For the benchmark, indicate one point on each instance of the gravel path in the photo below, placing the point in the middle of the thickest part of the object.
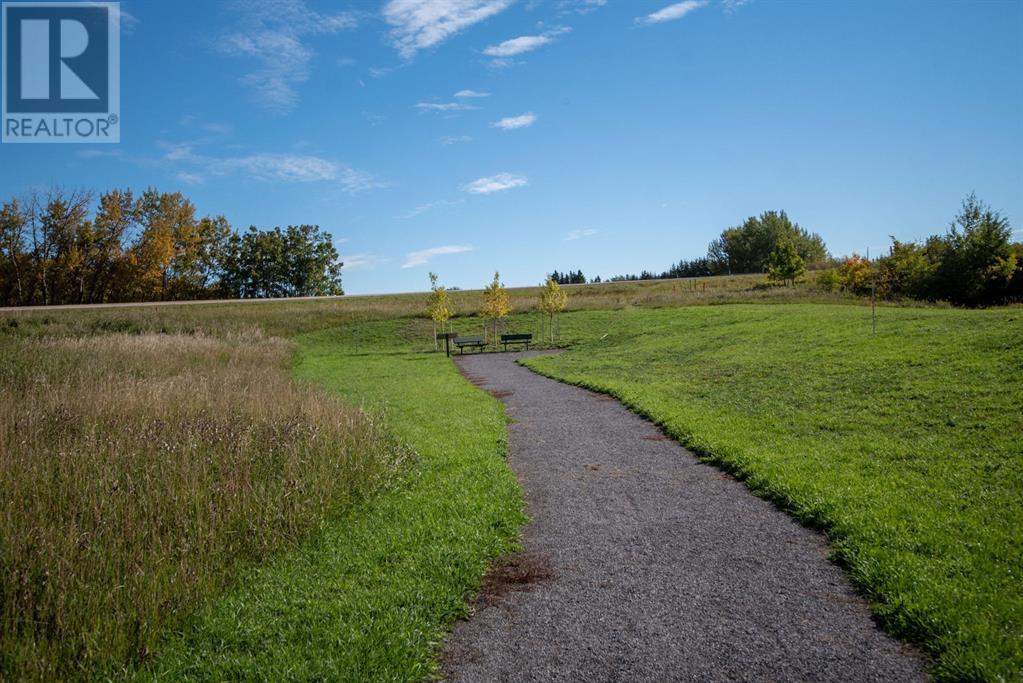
(642, 564)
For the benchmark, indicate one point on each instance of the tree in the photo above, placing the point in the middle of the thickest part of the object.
(117, 216)
(16, 260)
(152, 247)
(552, 301)
(570, 278)
(437, 306)
(495, 303)
(299, 261)
(785, 264)
(979, 262)
(855, 274)
(748, 247)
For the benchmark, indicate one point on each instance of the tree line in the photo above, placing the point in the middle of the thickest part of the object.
(975, 263)
(746, 248)
(70, 247)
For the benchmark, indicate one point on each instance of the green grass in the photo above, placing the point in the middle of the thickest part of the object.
(369, 596)
(288, 318)
(905, 446)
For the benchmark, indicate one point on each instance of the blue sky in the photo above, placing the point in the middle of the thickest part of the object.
(464, 136)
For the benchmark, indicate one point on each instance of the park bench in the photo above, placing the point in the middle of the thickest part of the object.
(471, 342)
(516, 339)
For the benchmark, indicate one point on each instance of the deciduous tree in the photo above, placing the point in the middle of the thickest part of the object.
(552, 301)
(495, 303)
(437, 307)
(785, 264)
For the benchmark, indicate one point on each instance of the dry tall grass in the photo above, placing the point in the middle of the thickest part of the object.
(138, 474)
(286, 318)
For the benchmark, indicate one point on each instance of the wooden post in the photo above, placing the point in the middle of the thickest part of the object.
(873, 296)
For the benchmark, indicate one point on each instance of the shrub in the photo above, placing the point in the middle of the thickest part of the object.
(854, 274)
(828, 280)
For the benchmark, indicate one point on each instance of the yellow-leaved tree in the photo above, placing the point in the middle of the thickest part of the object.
(552, 301)
(495, 303)
(437, 307)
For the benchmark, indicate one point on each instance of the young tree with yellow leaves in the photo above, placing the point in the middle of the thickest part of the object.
(495, 303)
(438, 307)
(552, 301)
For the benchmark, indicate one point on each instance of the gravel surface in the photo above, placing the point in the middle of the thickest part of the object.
(640, 563)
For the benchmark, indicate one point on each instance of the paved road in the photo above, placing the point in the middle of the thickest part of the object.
(642, 564)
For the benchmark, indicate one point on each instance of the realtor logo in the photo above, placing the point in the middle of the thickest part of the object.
(61, 72)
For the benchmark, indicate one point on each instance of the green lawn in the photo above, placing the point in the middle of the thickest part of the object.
(905, 446)
(369, 596)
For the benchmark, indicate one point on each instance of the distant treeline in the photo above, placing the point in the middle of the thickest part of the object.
(62, 247)
(569, 278)
(974, 264)
(746, 248)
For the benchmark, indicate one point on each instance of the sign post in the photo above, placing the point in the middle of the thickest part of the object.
(448, 336)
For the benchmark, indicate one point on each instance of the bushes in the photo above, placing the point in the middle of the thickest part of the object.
(973, 264)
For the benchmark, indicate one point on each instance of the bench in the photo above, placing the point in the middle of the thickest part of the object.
(516, 339)
(471, 342)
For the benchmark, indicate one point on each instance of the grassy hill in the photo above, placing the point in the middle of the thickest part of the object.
(190, 488)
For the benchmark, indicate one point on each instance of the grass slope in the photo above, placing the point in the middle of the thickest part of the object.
(905, 446)
(369, 596)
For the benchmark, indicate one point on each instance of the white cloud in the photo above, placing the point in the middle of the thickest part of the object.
(271, 33)
(129, 22)
(502, 63)
(671, 12)
(471, 93)
(362, 261)
(517, 46)
(97, 153)
(190, 178)
(513, 122)
(732, 5)
(418, 258)
(423, 208)
(580, 234)
(495, 183)
(454, 139)
(179, 152)
(443, 106)
(419, 24)
(284, 167)
(354, 181)
(580, 6)
(292, 168)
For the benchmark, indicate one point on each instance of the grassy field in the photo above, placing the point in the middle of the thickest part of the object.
(131, 421)
(288, 318)
(369, 596)
(141, 472)
(155, 457)
(904, 446)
